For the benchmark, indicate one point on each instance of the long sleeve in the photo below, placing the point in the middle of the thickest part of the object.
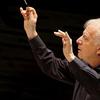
(87, 77)
(49, 64)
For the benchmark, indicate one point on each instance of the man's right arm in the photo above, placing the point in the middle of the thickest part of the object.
(52, 66)
(49, 64)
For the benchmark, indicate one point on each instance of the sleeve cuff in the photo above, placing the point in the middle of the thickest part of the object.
(36, 42)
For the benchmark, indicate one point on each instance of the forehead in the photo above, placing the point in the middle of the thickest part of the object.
(91, 30)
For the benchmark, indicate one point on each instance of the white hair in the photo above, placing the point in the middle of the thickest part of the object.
(95, 22)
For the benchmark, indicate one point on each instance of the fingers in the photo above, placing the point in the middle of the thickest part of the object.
(23, 12)
(62, 34)
(31, 9)
(59, 33)
(28, 12)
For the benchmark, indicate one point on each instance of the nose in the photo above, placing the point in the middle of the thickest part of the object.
(79, 40)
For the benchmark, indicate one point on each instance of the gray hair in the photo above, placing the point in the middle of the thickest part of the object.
(95, 22)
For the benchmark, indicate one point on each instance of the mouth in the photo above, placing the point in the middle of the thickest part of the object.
(79, 50)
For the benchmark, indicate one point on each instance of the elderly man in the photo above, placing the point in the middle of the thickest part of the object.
(85, 68)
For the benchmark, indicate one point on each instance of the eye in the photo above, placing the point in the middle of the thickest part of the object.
(85, 37)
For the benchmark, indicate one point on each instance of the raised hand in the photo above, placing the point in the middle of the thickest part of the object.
(67, 45)
(30, 19)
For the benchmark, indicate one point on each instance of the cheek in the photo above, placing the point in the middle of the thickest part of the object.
(86, 51)
(90, 51)
(84, 54)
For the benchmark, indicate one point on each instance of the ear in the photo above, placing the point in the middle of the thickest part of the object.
(98, 51)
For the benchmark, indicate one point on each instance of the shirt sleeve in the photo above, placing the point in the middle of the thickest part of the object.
(48, 63)
(87, 76)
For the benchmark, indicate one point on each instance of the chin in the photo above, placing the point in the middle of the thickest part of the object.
(79, 56)
(82, 58)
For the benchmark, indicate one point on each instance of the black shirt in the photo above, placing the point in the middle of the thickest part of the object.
(87, 80)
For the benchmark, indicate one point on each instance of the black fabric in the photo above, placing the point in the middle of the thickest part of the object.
(87, 85)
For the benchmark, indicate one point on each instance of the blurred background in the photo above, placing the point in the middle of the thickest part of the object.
(20, 76)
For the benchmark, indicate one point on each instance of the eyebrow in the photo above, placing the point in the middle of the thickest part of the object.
(84, 33)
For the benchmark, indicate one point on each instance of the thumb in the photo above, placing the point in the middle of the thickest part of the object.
(22, 12)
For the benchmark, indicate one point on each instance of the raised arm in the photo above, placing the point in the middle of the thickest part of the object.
(30, 20)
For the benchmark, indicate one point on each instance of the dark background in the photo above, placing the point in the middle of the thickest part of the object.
(20, 76)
